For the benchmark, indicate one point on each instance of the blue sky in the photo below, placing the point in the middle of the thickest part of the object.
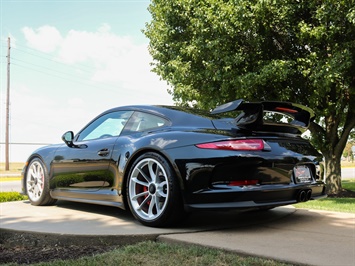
(70, 61)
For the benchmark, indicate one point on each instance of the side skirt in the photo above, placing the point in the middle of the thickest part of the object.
(104, 197)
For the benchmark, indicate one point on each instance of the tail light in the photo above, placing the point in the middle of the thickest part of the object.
(237, 145)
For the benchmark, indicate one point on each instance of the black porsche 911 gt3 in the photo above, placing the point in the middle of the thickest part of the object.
(161, 161)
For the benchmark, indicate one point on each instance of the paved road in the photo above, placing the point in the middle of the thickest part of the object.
(348, 173)
(10, 186)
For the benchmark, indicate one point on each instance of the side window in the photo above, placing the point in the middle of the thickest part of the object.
(108, 125)
(143, 121)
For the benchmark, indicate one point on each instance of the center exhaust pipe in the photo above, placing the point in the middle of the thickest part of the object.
(304, 195)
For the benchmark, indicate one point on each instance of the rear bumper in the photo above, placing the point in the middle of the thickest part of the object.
(254, 196)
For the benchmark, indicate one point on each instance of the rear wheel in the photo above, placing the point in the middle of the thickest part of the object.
(37, 184)
(153, 194)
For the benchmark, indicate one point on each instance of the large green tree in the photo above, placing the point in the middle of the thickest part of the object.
(303, 51)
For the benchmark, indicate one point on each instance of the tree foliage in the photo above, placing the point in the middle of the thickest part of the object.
(215, 51)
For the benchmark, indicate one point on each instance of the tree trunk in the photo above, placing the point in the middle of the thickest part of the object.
(332, 174)
(331, 142)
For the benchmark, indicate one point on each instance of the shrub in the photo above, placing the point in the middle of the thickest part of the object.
(11, 196)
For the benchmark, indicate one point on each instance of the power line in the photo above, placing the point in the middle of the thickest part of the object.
(71, 80)
(47, 68)
(108, 86)
(26, 143)
(44, 56)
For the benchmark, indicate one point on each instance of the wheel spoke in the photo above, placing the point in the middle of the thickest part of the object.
(37, 190)
(143, 194)
(144, 202)
(137, 181)
(152, 173)
(32, 173)
(161, 189)
(40, 183)
(144, 175)
(158, 205)
(30, 182)
(151, 207)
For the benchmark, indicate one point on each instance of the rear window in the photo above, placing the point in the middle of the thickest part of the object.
(141, 121)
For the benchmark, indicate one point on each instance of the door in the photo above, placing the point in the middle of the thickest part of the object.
(84, 166)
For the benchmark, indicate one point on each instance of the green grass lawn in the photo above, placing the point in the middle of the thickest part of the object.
(330, 204)
(333, 204)
(348, 184)
(155, 253)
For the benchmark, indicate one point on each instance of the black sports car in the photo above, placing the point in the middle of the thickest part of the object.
(161, 161)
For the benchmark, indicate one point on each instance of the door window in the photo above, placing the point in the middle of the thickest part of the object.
(108, 125)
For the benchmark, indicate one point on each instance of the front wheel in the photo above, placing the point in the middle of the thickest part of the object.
(153, 194)
(37, 184)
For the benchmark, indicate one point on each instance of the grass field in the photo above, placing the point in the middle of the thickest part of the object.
(333, 204)
(329, 204)
(14, 168)
(13, 174)
(347, 164)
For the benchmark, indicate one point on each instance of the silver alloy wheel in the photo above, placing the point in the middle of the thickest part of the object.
(35, 181)
(148, 189)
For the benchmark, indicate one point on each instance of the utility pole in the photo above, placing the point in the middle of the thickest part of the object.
(7, 134)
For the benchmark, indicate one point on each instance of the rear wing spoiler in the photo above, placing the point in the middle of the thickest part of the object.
(252, 115)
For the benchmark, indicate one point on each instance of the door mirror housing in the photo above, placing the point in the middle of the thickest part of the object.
(68, 138)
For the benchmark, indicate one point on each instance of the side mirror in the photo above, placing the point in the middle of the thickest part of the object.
(68, 138)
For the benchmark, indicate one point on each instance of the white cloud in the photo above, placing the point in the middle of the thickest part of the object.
(99, 47)
(117, 60)
(45, 39)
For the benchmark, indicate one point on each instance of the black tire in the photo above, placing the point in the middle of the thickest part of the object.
(37, 184)
(153, 194)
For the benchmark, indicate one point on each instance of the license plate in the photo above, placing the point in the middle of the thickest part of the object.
(302, 174)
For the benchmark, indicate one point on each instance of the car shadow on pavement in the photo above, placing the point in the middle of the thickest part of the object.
(204, 220)
(95, 208)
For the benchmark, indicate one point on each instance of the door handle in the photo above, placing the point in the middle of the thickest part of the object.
(103, 152)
